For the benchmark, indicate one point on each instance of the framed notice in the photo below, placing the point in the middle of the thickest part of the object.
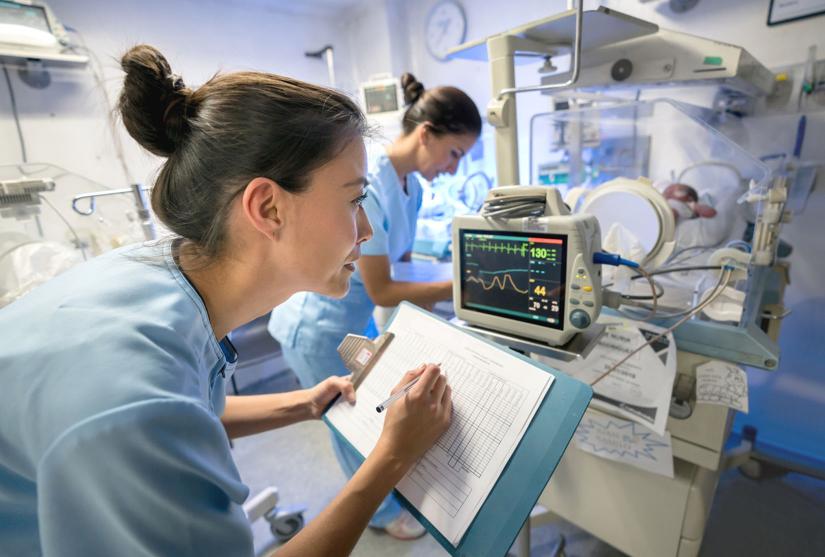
(784, 11)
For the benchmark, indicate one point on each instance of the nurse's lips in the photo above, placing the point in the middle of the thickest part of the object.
(351, 265)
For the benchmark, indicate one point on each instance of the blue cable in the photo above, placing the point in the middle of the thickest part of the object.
(604, 258)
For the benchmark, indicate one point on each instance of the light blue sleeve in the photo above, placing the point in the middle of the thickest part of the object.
(379, 244)
(152, 478)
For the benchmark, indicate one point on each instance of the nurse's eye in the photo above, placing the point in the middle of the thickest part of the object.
(455, 154)
(358, 201)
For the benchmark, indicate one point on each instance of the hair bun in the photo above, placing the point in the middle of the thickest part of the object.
(154, 101)
(413, 89)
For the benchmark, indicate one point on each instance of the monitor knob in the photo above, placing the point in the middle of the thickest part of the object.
(580, 319)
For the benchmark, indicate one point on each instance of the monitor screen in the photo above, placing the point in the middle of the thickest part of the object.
(515, 275)
(27, 16)
(381, 98)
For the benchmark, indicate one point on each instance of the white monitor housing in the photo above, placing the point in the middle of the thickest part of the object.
(532, 277)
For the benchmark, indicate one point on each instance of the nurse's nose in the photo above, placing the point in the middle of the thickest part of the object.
(364, 230)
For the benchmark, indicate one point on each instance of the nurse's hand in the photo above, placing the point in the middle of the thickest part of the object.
(322, 394)
(414, 423)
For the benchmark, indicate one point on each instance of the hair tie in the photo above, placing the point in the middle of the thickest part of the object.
(177, 82)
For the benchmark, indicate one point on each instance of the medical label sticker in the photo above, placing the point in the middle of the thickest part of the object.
(624, 441)
(363, 356)
(722, 383)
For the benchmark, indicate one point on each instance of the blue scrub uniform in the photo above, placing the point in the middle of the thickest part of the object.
(309, 326)
(110, 439)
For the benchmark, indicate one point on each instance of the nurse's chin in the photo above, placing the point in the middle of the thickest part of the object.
(339, 289)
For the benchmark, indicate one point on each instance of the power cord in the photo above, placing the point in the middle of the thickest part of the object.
(97, 73)
(514, 206)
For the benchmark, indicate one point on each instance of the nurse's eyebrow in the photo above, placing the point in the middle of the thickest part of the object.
(361, 181)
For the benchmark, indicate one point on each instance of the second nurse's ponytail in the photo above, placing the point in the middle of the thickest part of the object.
(445, 110)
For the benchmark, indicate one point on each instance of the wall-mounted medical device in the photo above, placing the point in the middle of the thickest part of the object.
(665, 57)
(524, 266)
(29, 31)
(382, 96)
(609, 49)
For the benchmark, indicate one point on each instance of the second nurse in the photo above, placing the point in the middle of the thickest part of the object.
(438, 127)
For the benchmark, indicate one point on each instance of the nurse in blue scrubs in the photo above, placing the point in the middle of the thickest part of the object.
(439, 126)
(114, 419)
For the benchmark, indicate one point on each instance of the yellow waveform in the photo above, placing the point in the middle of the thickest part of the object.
(500, 282)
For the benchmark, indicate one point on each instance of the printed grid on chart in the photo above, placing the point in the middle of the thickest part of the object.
(484, 407)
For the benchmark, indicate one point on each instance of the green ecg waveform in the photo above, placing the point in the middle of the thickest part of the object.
(500, 247)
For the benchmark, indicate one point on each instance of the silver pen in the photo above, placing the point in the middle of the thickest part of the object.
(404, 390)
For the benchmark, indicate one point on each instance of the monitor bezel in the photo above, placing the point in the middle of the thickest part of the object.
(41, 9)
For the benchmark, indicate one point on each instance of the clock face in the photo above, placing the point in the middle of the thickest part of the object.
(446, 28)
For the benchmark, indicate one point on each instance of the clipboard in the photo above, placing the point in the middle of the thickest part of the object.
(524, 478)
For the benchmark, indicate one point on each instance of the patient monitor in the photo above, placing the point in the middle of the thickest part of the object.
(524, 266)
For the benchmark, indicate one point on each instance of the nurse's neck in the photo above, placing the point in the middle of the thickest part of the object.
(230, 289)
(403, 156)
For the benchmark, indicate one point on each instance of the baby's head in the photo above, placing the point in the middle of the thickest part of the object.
(684, 202)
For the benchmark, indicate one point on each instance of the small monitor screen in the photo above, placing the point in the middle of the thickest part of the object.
(381, 98)
(514, 275)
(27, 16)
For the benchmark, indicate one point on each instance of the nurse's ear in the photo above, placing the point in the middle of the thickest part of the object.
(424, 134)
(264, 205)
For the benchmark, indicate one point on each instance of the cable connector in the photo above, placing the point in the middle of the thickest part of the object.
(604, 258)
(612, 299)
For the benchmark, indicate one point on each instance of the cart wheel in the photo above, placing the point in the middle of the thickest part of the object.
(284, 528)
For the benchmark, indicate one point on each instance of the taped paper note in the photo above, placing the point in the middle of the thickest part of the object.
(723, 384)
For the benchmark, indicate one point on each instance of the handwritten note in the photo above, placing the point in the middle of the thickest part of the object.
(722, 383)
(640, 389)
(624, 441)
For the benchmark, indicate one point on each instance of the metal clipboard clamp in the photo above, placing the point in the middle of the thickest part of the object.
(360, 354)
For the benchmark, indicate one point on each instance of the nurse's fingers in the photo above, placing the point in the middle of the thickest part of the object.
(344, 386)
(439, 387)
(409, 376)
(426, 382)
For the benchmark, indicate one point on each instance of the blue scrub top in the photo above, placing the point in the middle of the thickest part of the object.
(318, 323)
(110, 439)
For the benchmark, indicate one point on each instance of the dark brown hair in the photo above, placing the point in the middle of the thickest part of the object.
(231, 129)
(444, 109)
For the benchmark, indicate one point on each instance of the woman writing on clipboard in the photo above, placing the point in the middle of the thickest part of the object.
(439, 126)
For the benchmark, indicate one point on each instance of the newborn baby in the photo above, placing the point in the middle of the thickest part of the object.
(684, 202)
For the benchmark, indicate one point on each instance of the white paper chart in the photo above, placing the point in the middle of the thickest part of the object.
(495, 395)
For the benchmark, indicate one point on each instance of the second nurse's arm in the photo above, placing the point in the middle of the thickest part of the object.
(384, 291)
(413, 424)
